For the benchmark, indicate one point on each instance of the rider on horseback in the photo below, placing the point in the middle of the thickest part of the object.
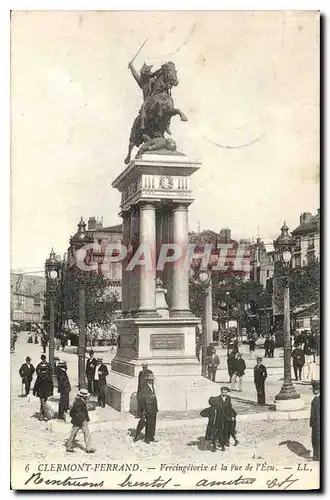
(145, 81)
(157, 109)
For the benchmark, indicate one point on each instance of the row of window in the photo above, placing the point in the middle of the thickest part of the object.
(310, 243)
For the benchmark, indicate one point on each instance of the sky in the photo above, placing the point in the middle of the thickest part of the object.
(248, 82)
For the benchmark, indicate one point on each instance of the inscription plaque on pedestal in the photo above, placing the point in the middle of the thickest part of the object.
(172, 341)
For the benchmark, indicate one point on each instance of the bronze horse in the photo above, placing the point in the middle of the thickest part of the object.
(157, 109)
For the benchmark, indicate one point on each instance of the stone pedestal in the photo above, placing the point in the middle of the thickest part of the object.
(156, 195)
(289, 404)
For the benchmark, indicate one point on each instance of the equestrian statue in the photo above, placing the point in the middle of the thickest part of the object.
(154, 118)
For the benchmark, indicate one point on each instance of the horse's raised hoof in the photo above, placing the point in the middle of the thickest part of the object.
(183, 117)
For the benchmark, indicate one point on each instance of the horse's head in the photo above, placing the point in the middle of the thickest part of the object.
(170, 74)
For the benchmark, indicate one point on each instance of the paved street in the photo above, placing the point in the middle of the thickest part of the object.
(178, 438)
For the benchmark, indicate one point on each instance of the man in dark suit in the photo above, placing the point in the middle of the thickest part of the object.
(298, 357)
(43, 389)
(44, 341)
(314, 421)
(64, 389)
(212, 363)
(272, 342)
(79, 419)
(100, 381)
(267, 347)
(43, 363)
(239, 371)
(224, 417)
(90, 372)
(231, 364)
(260, 375)
(26, 372)
(141, 381)
(149, 409)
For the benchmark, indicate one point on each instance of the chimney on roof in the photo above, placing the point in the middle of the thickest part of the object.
(99, 224)
(305, 217)
(318, 211)
(225, 234)
(91, 225)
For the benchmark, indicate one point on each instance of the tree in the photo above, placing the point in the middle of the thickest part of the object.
(304, 286)
(101, 303)
(230, 291)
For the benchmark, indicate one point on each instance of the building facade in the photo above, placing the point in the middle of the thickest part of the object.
(307, 240)
(103, 236)
(262, 263)
(27, 293)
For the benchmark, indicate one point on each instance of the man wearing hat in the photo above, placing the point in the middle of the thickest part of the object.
(43, 389)
(298, 357)
(26, 372)
(43, 363)
(149, 409)
(90, 372)
(141, 381)
(100, 381)
(225, 416)
(221, 416)
(260, 375)
(239, 371)
(314, 420)
(64, 389)
(212, 363)
(79, 419)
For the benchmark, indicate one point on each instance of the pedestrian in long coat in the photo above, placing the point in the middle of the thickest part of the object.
(267, 347)
(149, 408)
(26, 372)
(260, 375)
(314, 421)
(252, 342)
(79, 420)
(212, 430)
(141, 382)
(220, 416)
(298, 357)
(231, 364)
(44, 342)
(272, 343)
(100, 381)
(64, 341)
(90, 372)
(64, 389)
(43, 389)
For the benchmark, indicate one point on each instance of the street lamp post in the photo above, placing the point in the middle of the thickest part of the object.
(288, 399)
(52, 275)
(203, 277)
(227, 304)
(82, 334)
(78, 241)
